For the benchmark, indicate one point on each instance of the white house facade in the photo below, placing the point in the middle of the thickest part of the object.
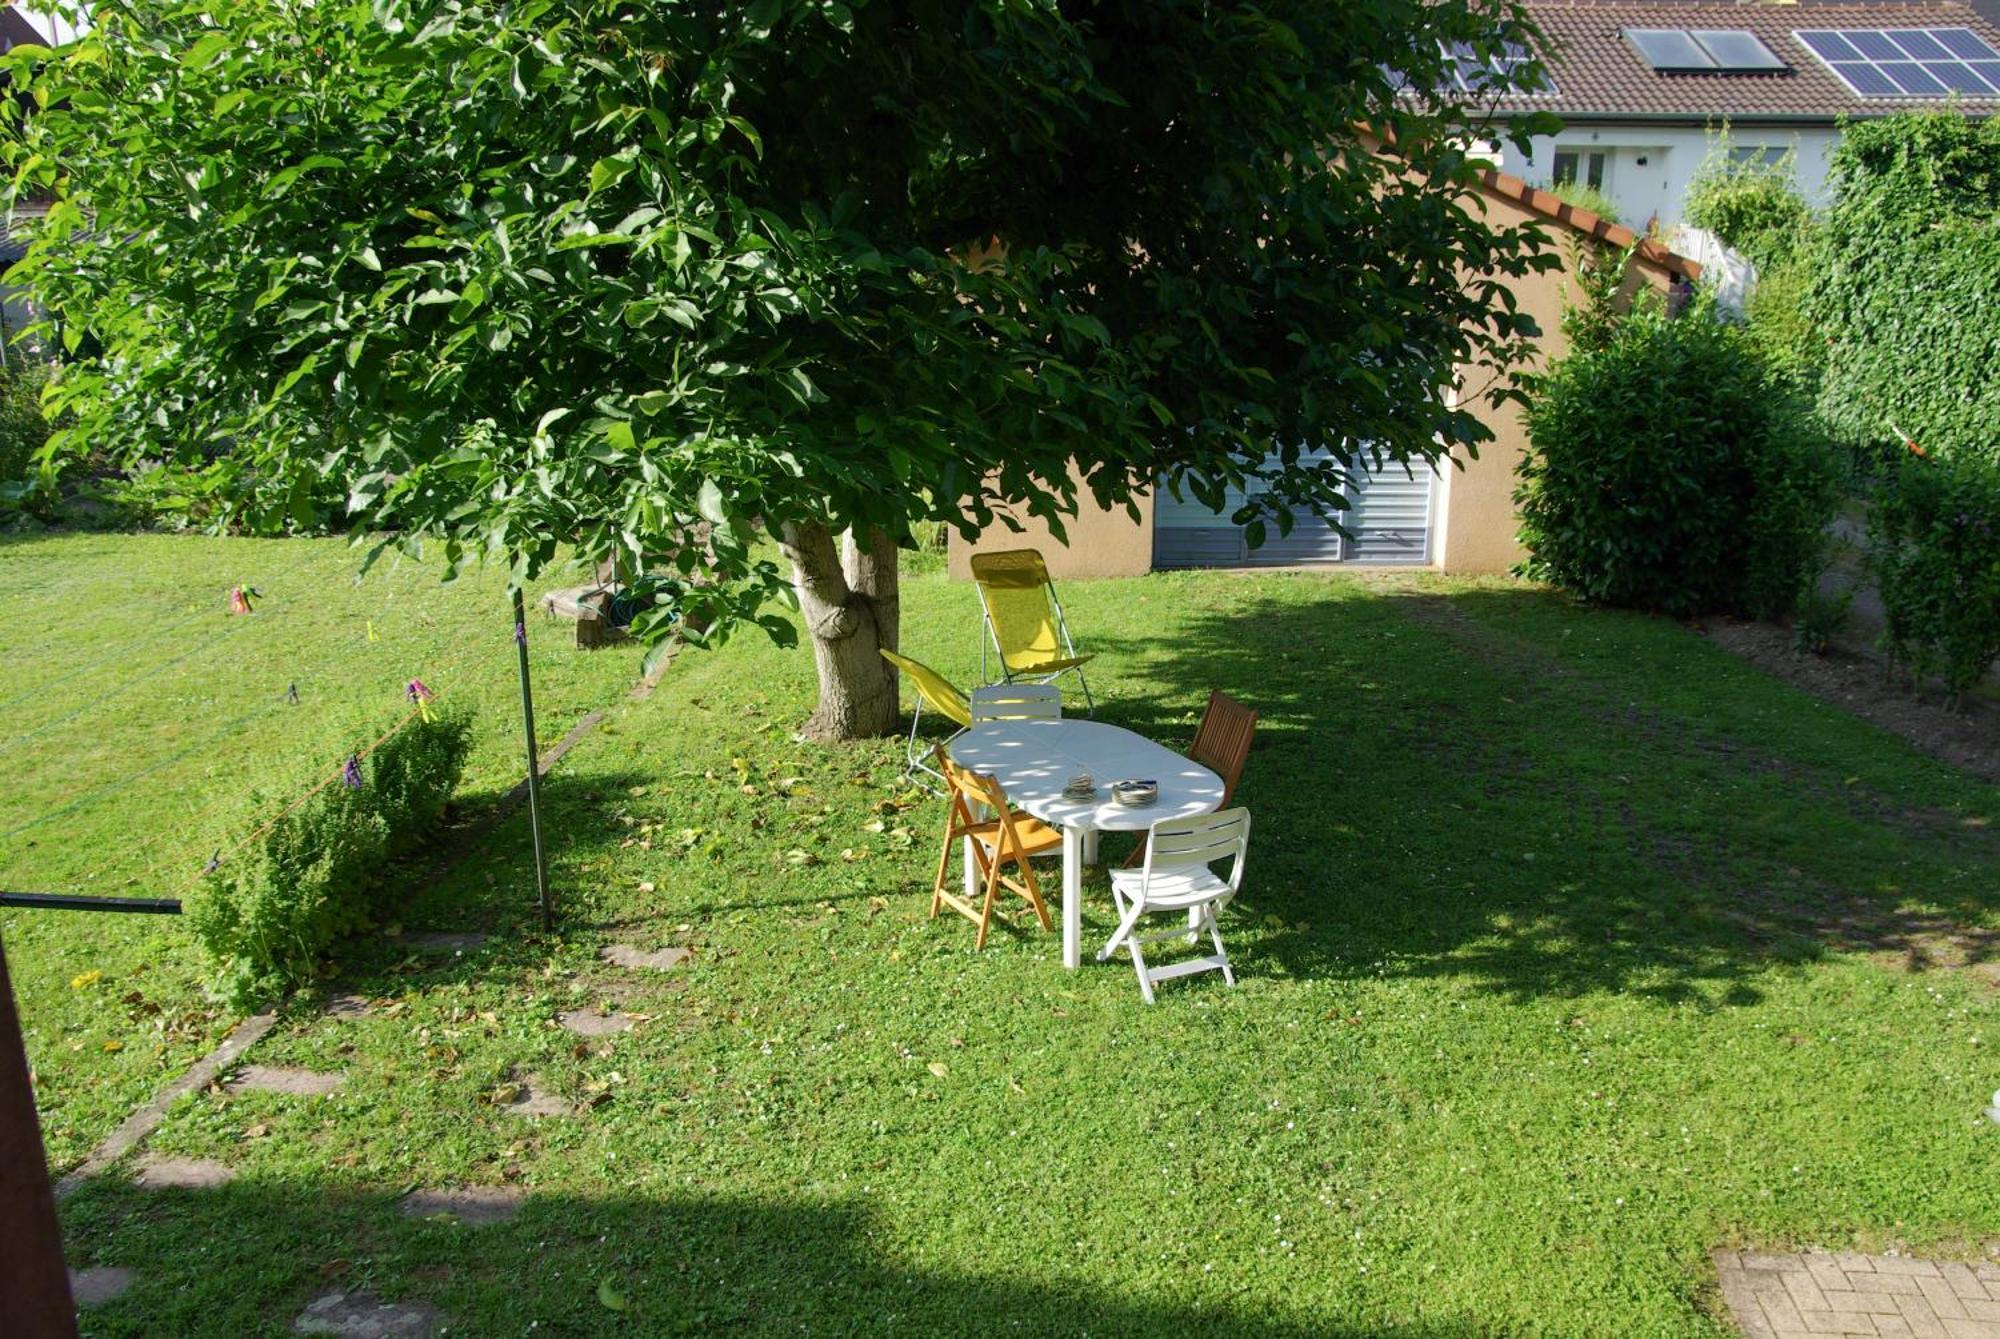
(1645, 88)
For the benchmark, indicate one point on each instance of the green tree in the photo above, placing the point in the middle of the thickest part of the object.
(654, 280)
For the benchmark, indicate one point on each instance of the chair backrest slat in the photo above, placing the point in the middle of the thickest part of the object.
(1178, 843)
(1016, 702)
(1222, 740)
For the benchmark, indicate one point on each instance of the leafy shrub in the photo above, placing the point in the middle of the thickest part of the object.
(1777, 323)
(1934, 532)
(267, 914)
(1822, 616)
(22, 432)
(1754, 206)
(1907, 293)
(1670, 469)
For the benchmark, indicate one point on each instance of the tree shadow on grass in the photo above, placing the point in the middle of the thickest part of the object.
(1431, 797)
(247, 1257)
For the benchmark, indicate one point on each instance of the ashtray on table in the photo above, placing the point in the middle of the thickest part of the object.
(1135, 794)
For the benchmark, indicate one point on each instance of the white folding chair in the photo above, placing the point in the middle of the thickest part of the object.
(1176, 878)
(1016, 702)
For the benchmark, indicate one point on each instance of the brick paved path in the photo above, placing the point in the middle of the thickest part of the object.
(1806, 1296)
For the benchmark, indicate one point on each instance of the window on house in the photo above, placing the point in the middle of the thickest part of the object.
(1579, 165)
(1759, 156)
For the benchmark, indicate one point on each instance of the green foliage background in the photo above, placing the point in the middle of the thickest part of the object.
(1907, 289)
(575, 272)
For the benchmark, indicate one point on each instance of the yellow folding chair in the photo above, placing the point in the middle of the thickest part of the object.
(944, 698)
(1024, 622)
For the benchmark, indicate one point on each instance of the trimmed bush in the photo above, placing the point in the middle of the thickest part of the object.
(269, 913)
(1934, 531)
(1671, 469)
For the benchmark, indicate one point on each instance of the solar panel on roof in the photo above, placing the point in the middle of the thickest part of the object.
(1919, 43)
(1736, 49)
(1865, 79)
(1963, 43)
(1912, 79)
(1907, 62)
(1669, 49)
(1829, 46)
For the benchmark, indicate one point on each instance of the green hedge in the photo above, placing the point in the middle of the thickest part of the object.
(1907, 288)
(1671, 469)
(1934, 531)
(268, 914)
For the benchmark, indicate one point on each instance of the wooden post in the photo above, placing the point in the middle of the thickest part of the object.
(34, 1284)
(534, 763)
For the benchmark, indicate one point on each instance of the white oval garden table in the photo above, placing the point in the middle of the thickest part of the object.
(1034, 760)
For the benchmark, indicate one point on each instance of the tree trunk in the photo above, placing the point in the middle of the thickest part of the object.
(851, 603)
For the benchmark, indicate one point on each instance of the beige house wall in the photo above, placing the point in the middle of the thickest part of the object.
(1472, 516)
(1474, 521)
(1102, 543)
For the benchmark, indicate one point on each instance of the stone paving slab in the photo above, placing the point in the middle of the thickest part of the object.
(532, 1100)
(159, 1173)
(283, 1079)
(632, 956)
(474, 1206)
(135, 1127)
(100, 1284)
(590, 1023)
(349, 1006)
(362, 1315)
(445, 941)
(1813, 1294)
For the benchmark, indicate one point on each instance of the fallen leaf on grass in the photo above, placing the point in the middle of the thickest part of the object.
(85, 979)
(611, 1298)
(939, 1068)
(114, 1045)
(334, 1268)
(257, 1131)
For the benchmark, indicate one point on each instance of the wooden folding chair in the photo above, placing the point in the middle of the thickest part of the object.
(1010, 837)
(1222, 745)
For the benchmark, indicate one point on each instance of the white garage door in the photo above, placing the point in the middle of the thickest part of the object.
(1389, 515)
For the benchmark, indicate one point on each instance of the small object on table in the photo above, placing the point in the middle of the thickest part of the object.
(1082, 786)
(1135, 794)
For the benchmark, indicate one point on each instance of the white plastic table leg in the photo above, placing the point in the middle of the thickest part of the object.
(1090, 846)
(1072, 907)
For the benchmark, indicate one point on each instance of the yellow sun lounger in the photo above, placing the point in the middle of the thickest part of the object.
(943, 697)
(1024, 621)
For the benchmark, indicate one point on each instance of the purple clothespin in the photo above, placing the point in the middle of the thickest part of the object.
(351, 774)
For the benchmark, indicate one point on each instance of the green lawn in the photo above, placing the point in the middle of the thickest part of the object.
(1569, 949)
(143, 728)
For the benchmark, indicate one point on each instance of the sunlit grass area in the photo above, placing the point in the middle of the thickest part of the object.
(1570, 948)
(143, 729)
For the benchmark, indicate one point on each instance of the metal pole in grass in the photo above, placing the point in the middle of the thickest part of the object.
(534, 761)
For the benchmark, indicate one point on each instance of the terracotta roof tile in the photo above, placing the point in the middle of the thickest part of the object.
(1597, 73)
(1615, 235)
